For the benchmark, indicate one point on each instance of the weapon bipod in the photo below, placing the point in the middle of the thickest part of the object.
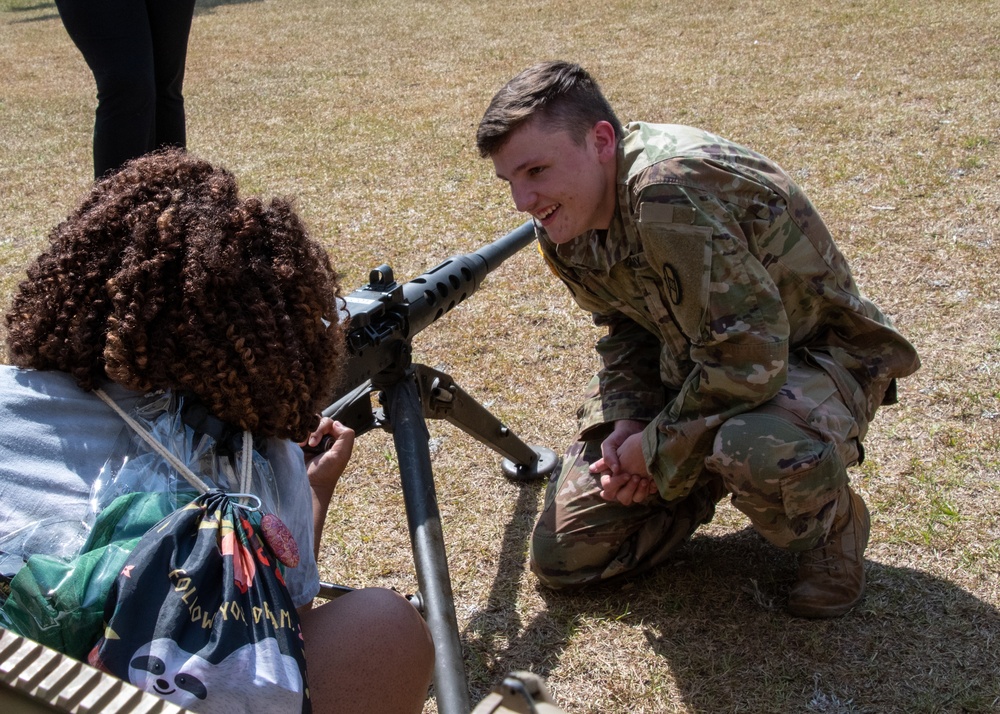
(423, 393)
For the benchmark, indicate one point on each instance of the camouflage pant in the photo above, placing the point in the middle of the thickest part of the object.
(784, 463)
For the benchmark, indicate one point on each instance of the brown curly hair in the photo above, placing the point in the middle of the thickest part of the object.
(163, 278)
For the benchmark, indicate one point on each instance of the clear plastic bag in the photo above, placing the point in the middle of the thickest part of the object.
(58, 598)
(134, 467)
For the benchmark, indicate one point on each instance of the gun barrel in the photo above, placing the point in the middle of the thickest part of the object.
(440, 289)
(499, 250)
(385, 317)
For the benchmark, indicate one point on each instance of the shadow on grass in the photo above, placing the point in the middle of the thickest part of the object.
(24, 12)
(714, 617)
(495, 641)
(14, 7)
(209, 5)
(21, 13)
(916, 643)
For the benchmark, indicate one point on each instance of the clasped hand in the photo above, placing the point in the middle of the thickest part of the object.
(624, 476)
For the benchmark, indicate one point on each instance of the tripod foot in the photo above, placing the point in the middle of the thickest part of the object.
(543, 464)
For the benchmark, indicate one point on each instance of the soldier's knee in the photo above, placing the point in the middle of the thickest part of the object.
(780, 476)
(546, 562)
(563, 560)
(753, 450)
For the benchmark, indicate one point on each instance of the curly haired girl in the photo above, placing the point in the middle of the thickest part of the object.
(165, 279)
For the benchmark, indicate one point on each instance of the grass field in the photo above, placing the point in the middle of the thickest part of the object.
(886, 112)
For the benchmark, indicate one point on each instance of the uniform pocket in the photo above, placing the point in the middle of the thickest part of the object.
(805, 492)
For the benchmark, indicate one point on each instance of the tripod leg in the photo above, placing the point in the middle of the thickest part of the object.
(410, 437)
(443, 399)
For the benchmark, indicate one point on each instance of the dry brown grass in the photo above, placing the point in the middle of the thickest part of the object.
(887, 112)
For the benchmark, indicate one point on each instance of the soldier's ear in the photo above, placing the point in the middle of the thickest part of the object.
(605, 141)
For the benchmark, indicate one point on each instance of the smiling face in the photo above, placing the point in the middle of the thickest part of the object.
(568, 187)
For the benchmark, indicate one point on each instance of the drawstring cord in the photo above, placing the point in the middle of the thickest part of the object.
(246, 462)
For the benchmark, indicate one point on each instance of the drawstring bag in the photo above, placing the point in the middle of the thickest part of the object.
(59, 602)
(200, 614)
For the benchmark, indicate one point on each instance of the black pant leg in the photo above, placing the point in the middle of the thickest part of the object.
(170, 27)
(113, 36)
(136, 51)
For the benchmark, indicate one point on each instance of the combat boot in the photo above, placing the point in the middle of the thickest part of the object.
(831, 577)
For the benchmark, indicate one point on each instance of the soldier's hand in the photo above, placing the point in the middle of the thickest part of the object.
(611, 453)
(627, 489)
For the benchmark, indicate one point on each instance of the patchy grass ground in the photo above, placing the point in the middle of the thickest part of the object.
(886, 112)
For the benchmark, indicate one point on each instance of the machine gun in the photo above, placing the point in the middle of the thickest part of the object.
(383, 388)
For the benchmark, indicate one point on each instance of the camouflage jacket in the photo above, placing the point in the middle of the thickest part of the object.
(715, 268)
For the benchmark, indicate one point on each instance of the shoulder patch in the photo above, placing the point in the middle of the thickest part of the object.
(651, 212)
(682, 255)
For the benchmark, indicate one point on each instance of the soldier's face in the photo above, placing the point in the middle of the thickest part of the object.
(568, 187)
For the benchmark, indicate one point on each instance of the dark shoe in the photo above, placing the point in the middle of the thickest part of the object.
(831, 578)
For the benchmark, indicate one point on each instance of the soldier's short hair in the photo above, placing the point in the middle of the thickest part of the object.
(561, 93)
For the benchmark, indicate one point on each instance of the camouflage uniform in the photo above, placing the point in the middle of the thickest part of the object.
(736, 329)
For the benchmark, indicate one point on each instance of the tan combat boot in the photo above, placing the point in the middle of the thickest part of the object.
(831, 578)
